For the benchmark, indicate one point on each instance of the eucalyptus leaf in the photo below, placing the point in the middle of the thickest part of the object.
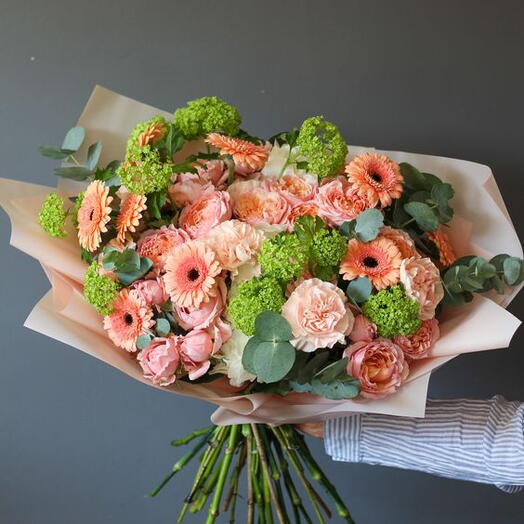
(368, 224)
(345, 388)
(442, 192)
(248, 354)
(273, 360)
(162, 327)
(306, 371)
(52, 152)
(424, 216)
(512, 270)
(93, 155)
(270, 326)
(333, 372)
(143, 341)
(358, 290)
(128, 278)
(74, 172)
(74, 138)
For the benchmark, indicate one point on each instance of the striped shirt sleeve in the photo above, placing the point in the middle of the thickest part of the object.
(475, 440)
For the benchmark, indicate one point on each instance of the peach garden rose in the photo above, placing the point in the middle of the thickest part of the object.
(159, 361)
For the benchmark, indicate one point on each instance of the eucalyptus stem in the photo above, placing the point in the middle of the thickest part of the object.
(318, 475)
(215, 504)
(297, 465)
(193, 435)
(180, 464)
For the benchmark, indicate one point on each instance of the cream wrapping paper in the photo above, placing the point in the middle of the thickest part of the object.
(481, 226)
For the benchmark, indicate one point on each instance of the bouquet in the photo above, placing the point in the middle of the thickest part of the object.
(286, 279)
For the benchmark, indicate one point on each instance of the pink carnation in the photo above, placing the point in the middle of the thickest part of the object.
(157, 244)
(195, 351)
(260, 204)
(418, 345)
(363, 330)
(421, 281)
(339, 202)
(379, 366)
(160, 360)
(319, 315)
(209, 210)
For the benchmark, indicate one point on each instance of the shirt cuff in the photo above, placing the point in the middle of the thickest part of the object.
(342, 438)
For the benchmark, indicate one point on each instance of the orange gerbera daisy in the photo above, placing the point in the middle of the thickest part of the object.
(93, 215)
(402, 240)
(445, 250)
(375, 177)
(244, 153)
(153, 133)
(378, 260)
(130, 215)
(130, 319)
(190, 274)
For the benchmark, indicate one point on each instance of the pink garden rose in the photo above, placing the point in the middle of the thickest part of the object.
(157, 244)
(195, 351)
(339, 202)
(211, 209)
(379, 366)
(151, 290)
(260, 204)
(421, 281)
(298, 190)
(213, 171)
(235, 243)
(160, 360)
(188, 188)
(418, 345)
(319, 315)
(363, 330)
(205, 315)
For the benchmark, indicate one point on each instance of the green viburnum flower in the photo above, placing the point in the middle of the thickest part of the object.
(392, 312)
(283, 257)
(76, 208)
(322, 144)
(253, 297)
(100, 290)
(53, 215)
(327, 247)
(152, 130)
(143, 172)
(207, 115)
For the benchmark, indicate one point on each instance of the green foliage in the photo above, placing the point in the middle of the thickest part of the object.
(93, 155)
(254, 297)
(162, 327)
(365, 227)
(100, 290)
(143, 341)
(474, 274)
(424, 215)
(207, 115)
(74, 139)
(128, 265)
(74, 172)
(358, 290)
(269, 354)
(392, 312)
(322, 144)
(283, 257)
(53, 215)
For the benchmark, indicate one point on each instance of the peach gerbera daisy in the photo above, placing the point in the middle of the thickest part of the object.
(130, 319)
(378, 260)
(445, 250)
(376, 177)
(153, 133)
(190, 274)
(244, 153)
(402, 240)
(93, 215)
(130, 215)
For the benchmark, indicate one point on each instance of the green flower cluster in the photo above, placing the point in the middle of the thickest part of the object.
(132, 146)
(253, 297)
(327, 247)
(100, 290)
(76, 208)
(283, 257)
(322, 144)
(53, 215)
(207, 115)
(392, 312)
(143, 171)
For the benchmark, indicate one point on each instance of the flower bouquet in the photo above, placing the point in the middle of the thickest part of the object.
(285, 280)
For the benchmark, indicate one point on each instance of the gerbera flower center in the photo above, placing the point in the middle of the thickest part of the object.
(370, 262)
(91, 213)
(376, 177)
(193, 274)
(128, 319)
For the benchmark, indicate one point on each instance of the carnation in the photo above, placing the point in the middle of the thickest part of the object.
(392, 312)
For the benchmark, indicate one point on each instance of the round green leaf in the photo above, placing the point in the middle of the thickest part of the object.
(93, 155)
(368, 224)
(272, 361)
(74, 138)
(248, 354)
(512, 270)
(425, 217)
(73, 172)
(358, 290)
(270, 326)
(143, 341)
(162, 327)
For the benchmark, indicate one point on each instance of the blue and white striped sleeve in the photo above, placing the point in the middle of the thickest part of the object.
(476, 440)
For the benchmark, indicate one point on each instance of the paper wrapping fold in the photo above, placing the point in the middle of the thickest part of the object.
(482, 226)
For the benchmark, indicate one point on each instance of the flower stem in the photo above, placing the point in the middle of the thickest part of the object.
(192, 436)
(215, 504)
(250, 501)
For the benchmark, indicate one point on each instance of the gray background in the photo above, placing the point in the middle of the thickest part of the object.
(82, 443)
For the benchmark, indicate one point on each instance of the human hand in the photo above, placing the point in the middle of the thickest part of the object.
(313, 429)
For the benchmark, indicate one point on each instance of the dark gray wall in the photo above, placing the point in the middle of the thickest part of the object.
(82, 443)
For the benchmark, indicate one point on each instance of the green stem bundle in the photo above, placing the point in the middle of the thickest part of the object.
(266, 454)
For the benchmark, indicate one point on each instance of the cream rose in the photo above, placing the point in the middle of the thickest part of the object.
(421, 281)
(319, 315)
